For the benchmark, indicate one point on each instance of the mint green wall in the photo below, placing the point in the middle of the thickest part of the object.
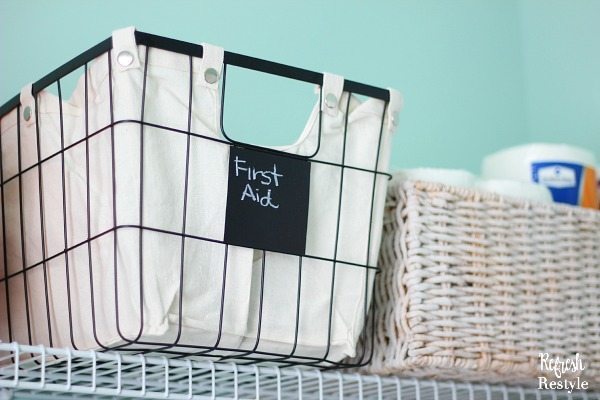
(473, 79)
(561, 57)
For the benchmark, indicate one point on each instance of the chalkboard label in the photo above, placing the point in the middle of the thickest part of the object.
(267, 201)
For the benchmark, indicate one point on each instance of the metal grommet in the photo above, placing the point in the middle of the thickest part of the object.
(27, 113)
(125, 58)
(331, 100)
(211, 75)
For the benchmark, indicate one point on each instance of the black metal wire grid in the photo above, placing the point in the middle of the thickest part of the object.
(174, 347)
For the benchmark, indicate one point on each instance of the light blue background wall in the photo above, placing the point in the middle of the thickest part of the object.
(561, 60)
(476, 75)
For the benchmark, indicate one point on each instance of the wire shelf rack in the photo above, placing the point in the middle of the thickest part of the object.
(35, 372)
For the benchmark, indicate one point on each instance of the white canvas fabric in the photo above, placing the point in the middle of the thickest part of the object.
(114, 291)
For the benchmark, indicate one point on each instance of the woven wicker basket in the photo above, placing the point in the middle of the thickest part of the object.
(474, 286)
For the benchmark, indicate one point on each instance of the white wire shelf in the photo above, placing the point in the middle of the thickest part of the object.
(37, 372)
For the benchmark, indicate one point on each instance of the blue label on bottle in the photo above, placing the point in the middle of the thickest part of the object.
(563, 179)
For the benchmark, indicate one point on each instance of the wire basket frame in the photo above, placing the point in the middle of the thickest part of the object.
(63, 277)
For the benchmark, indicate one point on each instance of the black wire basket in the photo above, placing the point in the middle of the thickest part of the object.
(131, 221)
